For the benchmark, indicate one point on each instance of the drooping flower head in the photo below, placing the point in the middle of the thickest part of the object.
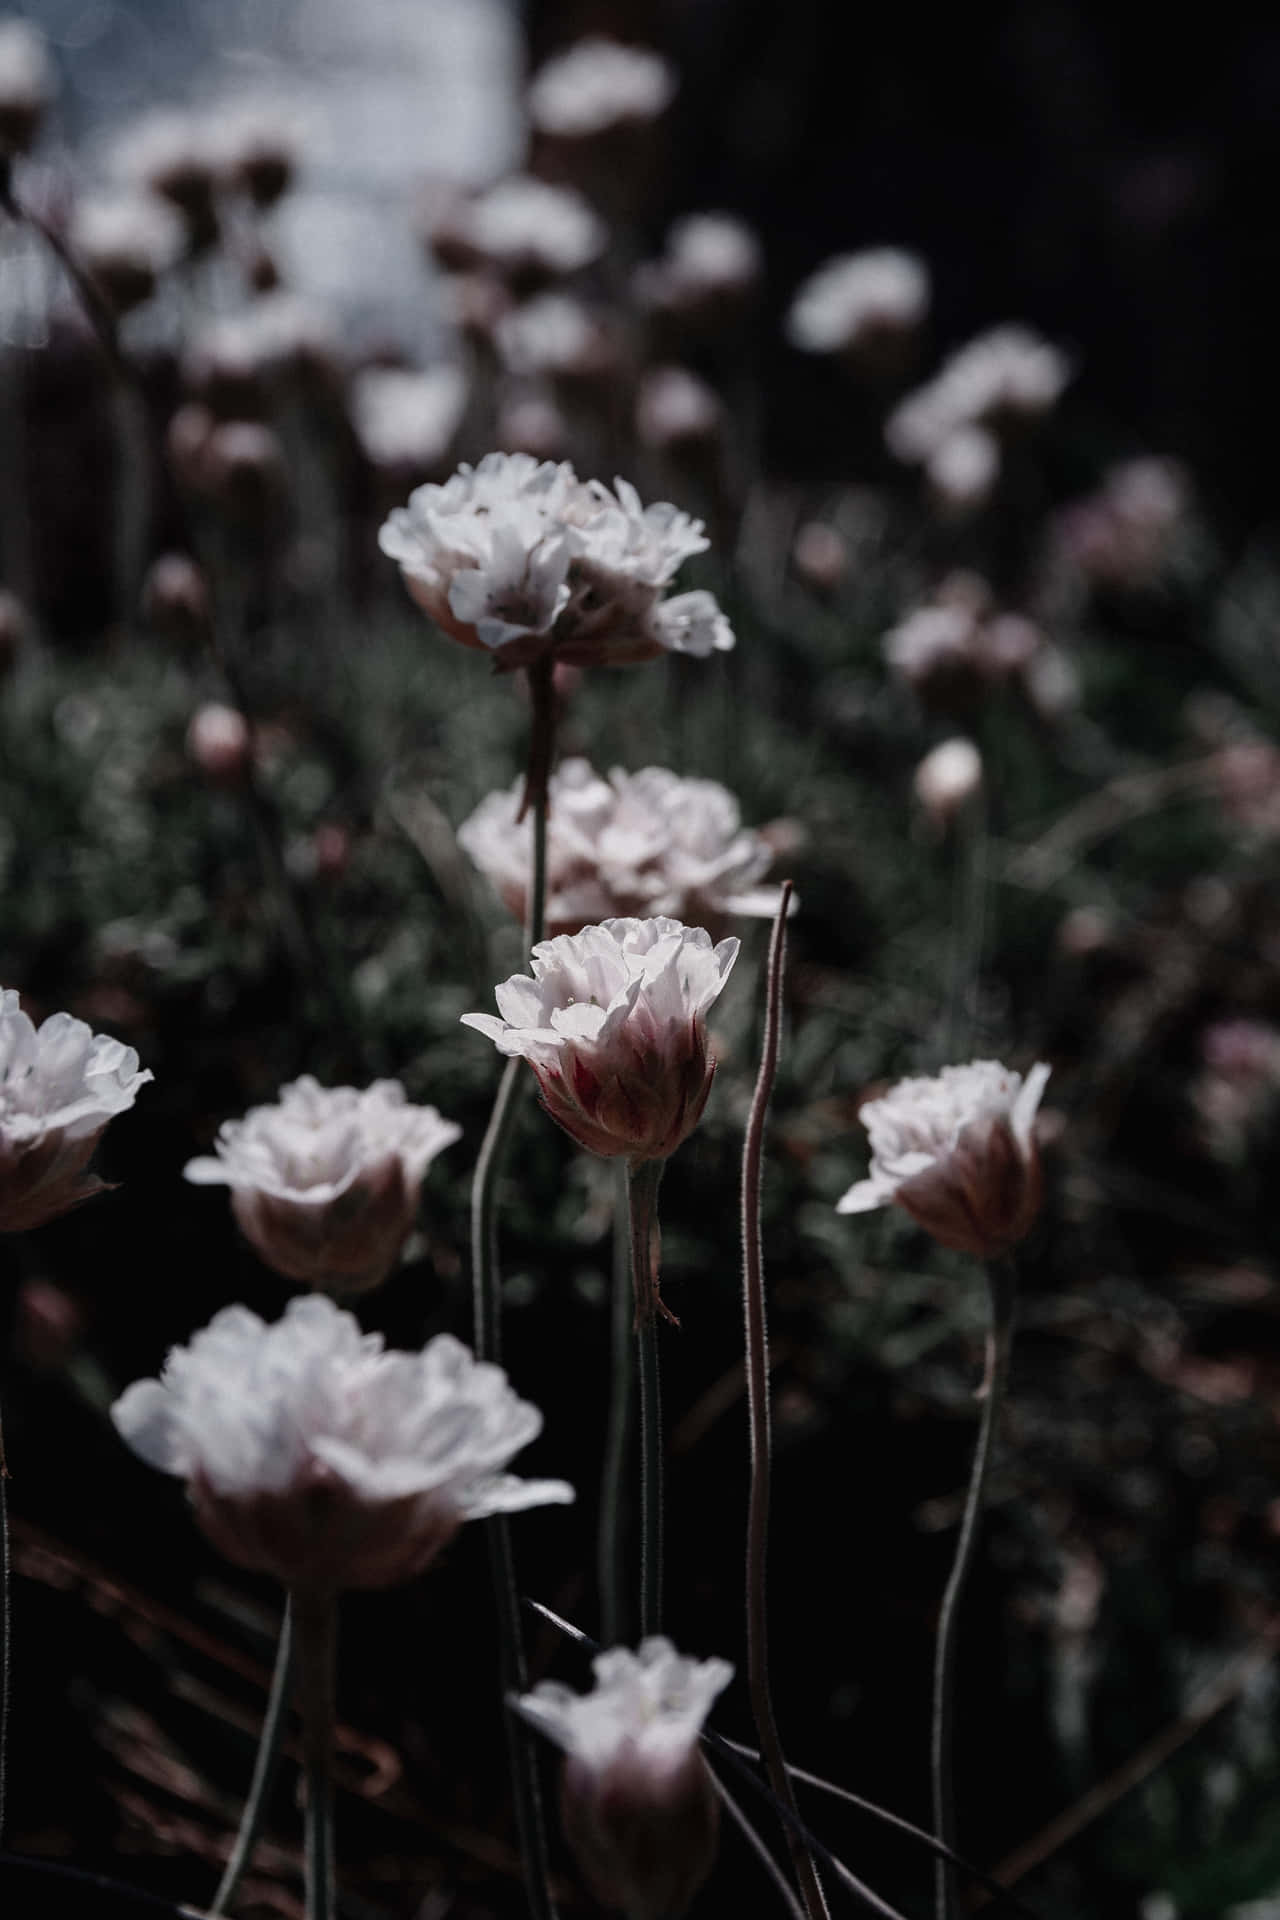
(639, 1808)
(522, 559)
(312, 1454)
(635, 844)
(325, 1183)
(957, 1153)
(613, 1023)
(60, 1083)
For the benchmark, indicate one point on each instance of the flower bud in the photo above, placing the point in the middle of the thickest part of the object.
(948, 779)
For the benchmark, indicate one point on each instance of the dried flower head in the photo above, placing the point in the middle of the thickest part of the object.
(326, 1182)
(639, 1809)
(957, 1152)
(523, 559)
(597, 85)
(856, 297)
(613, 1024)
(312, 1454)
(635, 844)
(60, 1083)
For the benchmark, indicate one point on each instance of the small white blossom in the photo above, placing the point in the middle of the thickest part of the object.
(1008, 373)
(597, 85)
(407, 419)
(60, 1083)
(26, 84)
(653, 1703)
(312, 1454)
(526, 225)
(635, 844)
(964, 467)
(856, 296)
(552, 334)
(714, 252)
(674, 408)
(947, 779)
(958, 1153)
(325, 1183)
(126, 241)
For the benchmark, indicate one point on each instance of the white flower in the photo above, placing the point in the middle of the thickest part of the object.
(1008, 373)
(635, 844)
(964, 467)
(60, 1083)
(552, 334)
(947, 779)
(714, 253)
(312, 1454)
(640, 1811)
(407, 419)
(613, 1024)
(126, 241)
(525, 225)
(596, 85)
(857, 295)
(958, 1153)
(26, 84)
(675, 408)
(326, 1182)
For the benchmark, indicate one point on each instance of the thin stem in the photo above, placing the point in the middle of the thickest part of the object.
(264, 1770)
(968, 916)
(1002, 1282)
(612, 1529)
(757, 1363)
(6, 1622)
(757, 1846)
(315, 1630)
(642, 1190)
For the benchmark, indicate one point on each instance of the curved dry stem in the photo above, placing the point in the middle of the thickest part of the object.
(265, 1767)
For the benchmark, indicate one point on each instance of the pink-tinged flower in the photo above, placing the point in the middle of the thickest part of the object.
(311, 1454)
(326, 1182)
(613, 1023)
(639, 1808)
(958, 1154)
(60, 1084)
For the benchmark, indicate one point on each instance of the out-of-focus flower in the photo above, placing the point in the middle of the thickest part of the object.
(1248, 779)
(957, 1152)
(125, 242)
(675, 409)
(957, 644)
(1123, 535)
(532, 423)
(256, 148)
(1239, 1079)
(219, 741)
(557, 336)
(312, 1454)
(524, 560)
(963, 468)
(232, 361)
(711, 261)
(947, 779)
(326, 1182)
(613, 1024)
(1004, 376)
(175, 597)
(60, 1083)
(598, 85)
(639, 1808)
(173, 154)
(522, 228)
(820, 555)
(636, 844)
(26, 85)
(407, 420)
(859, 297)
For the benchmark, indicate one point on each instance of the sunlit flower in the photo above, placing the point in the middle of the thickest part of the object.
(404, 418)
(325, 1183)
(613, 1024)
(1006, 375)
(957, 1152)
(635, 844)
(60, 1083)
(856, 297)
(597, 85)
(26, 85)
(639, 1808)
(312, 1454)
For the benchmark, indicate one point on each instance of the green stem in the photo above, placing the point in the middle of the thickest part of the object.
(756, 1338)
(315, 1630)
(1001, 1279)
(264, 1770)
(642, 1189)
(621, 1387)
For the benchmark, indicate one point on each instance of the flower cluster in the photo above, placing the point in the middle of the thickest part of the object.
(523, 229)
(858, 297)
(639, 1808)
(951, 425)
(60, 1083)
(635, 844)
(613, 1024)
(958, 1154)
(597, 85)
(522, 559)
(312, 1454)
(326, 1182)
(958, 643)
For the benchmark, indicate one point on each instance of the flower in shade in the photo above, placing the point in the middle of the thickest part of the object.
(312, 1454)
(520, 558)
(326, 1182)
(60, 1083)
(858, 297)
(525, 228)
(711, 260)
(957, 1152)
(639, 1808)
(597, 85)
(635, 844)
(1005, 375)
(613, 1023)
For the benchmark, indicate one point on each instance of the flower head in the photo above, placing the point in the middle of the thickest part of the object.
(637, 843)
(312, 1454)
(856, 297)
(957, 1152)
(613, 1023)
(1006, 374)
(126, 241)
(26, 85)
(527, 229)
(326, 1182)
(639, 1808)
(710, 260)
(597, 85)
(407, 419)
(60, 1083)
